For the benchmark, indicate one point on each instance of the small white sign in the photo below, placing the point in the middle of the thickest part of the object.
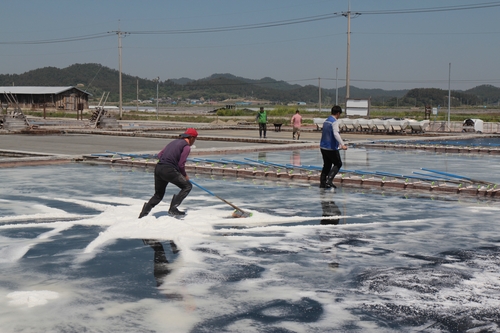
(357, 107)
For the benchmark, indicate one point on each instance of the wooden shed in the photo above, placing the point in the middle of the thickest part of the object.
(61, 98)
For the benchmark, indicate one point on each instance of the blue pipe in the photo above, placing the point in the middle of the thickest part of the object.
(404, 176)
(132, 155)
(428, 175)
(240, 162)
(446, 174)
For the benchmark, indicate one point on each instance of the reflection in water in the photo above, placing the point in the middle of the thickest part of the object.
(330, 209)
(262, 155)
(161, 269)
(295, 157)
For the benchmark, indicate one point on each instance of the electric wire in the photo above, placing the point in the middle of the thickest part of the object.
(258, 25)
(432, 9)
(58, 40)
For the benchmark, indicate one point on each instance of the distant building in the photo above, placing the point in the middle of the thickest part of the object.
(62, 98)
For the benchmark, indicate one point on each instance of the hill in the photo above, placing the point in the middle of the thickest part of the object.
(96, 79)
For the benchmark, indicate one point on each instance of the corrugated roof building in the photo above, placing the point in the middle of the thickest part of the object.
(61, 98)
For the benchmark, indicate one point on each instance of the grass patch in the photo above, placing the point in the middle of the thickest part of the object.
(187, 119)
(279, 115)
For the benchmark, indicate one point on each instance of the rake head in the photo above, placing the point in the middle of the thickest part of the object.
(241, 214)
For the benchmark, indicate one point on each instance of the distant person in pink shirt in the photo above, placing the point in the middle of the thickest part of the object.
(296, 123)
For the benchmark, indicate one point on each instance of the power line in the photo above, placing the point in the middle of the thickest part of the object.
(258, 25)
(58, 40)
(240, 27)
(428, 33)
(432, 9)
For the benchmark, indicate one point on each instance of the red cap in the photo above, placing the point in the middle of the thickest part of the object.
(190, 132)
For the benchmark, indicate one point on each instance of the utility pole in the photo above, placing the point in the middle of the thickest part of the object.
(157, 83)
(120, 105)
(337, 86)
(120, 34)
(449, 96)
(348, 15)
(319, 86)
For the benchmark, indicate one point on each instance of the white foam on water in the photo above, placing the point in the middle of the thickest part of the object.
(13, 250)
(393, 257)
(31, 298)
(42, 212)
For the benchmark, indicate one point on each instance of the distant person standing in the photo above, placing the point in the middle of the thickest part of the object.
(261, 119)
(329, 145)
(296, 123)
(171, 169)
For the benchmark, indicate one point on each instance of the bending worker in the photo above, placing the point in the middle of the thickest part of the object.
(330, 144)
(171, 169)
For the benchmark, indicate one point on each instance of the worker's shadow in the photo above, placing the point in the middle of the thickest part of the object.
(160, 214)
(330, 209)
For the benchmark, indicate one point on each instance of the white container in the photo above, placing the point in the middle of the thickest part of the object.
(478, 125)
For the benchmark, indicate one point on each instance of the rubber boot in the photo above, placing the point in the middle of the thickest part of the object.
(322, 181)
(173, 206)
(145, 210)
(331, 176)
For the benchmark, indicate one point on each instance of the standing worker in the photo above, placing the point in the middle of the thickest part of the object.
(296, 123)
(171, 169)
(330, 144)
(261, 118)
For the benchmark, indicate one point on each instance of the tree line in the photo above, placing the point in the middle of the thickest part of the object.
(97, 79)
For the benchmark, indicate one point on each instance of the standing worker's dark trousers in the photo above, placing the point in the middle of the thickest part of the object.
(262, 129)
(165, 174)
(330, 158)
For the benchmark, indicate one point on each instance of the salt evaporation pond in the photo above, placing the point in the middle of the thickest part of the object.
(74, 257)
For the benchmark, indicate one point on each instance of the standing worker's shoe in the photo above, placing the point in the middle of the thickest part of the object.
(331, 177)
(330, 184)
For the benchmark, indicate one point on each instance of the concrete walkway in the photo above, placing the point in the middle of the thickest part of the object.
(81, 141)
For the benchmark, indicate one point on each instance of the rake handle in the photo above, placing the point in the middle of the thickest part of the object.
(211, 193)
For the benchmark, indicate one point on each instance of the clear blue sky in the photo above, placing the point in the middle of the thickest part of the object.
(389, 51)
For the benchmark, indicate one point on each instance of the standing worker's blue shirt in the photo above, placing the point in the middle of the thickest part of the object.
(328, 140)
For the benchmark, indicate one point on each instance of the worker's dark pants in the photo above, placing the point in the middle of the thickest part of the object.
(330, 158)
(165, 174)
(262, 129)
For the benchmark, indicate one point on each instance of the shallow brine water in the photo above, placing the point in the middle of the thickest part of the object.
(467, 142)
(74, 257)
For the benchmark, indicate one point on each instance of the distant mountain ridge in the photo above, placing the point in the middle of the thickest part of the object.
(96, 79)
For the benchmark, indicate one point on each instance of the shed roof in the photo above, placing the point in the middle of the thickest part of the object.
(37, 90)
